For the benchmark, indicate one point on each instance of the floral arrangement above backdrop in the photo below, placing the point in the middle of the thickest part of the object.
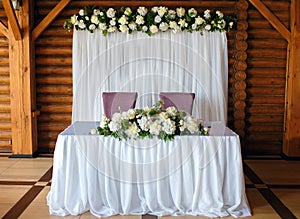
(149, 122)
(157, 19)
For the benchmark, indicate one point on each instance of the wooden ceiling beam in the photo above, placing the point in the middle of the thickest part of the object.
(3, 29)
(274, 21)
(49, 18)
(12, 19)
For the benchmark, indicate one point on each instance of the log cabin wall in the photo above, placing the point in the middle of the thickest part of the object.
(257, 67)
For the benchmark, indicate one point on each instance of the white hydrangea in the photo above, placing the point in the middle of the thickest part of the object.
(171, 111)
(104, 121)
(154, 9)
(142, 11)
(110, 13)
(182, 23)
(174, 26)
(180, 12)
(139, 20)
(102, 26)
(131, 113)
(172, 14)
(144, 123)
(169, 127)
(155, 127)
(132, 131)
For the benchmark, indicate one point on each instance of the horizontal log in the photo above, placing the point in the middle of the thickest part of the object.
(4, 61)
(5, 126)
(4, 107)
(267, 52)
(5, 116)
(264, 91)
(267, 43)
(54, 70)
(58, 61)
(266, 72)
(276, 109)
(62, 117)
(266, 100)
(266, 62)
(57, 127)
(58, 40)
(4, 69)
(255, 33)
(265, 119)
(52, 80)
(282, 14)
(54, 89)
(58, 50)
(55, 109)
(265, 148)
(5, 135)
(54, 99)
(255, 128)
(266, 81)
(4, 79)
(262, 137)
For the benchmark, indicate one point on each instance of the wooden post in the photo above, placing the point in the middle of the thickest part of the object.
(291, 147)
(22, 86)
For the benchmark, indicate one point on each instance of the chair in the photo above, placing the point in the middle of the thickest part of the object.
(181, 101)
(115, 101)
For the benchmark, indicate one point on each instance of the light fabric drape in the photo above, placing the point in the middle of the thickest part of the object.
(191, 175)
(181, 62)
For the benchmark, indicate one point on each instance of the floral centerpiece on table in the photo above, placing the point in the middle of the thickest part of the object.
(159, 18)
(149, 122)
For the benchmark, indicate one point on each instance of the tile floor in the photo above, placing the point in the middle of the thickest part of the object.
(272, 186)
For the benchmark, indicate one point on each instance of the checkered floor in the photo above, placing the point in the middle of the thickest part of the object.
(272, 186)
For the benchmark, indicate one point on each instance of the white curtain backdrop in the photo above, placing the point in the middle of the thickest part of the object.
(177, 62)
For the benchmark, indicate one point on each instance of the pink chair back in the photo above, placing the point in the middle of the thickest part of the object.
(115, 101)
(181, 101)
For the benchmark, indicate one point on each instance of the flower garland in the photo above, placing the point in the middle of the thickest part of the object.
(149, 122)
(127, 20)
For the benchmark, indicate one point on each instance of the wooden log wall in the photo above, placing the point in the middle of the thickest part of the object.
(5, 122)
(266, 76)
(257, 66)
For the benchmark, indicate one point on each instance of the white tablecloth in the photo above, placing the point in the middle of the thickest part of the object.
(194, 175)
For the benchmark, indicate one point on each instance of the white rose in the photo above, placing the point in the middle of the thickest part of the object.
(157, 19)
(199, 20)
(110, 12)
(123, 28)
(127, 11)
(81, 12)
(112, 22)
(111, 29)
(144, 28)
(94, 19)
(93, 131)
(194, 26)
(162, 10)
(96, 12)
(192, 12)
(207, 27)
(180, 11)
(92, 27)
(182, 23)
(139, 20)
(163, 26)
(155, 128)
(220, 14)
(81, 24)
(142, 11)
(230, 24)
(207, 14)
(155, 9)
(74, 19)
(172, 14)
(132, 26)
(153, 29)
(123, 20)
(102, 26)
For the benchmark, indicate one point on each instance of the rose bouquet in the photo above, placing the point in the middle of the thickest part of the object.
(149, 122)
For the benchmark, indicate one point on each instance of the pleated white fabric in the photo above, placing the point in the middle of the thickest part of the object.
(192, 175)
(181, 62)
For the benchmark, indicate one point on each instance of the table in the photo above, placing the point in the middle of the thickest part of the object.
(191, 175)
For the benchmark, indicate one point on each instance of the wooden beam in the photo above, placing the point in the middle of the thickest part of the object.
(291, 144)
(274, 21)
(3, 29)
(14, 24)
(49, 18)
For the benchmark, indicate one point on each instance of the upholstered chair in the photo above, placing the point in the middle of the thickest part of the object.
(115, 101)
(181, 101)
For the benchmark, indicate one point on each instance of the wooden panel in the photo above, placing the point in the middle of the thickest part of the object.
(266, 81)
